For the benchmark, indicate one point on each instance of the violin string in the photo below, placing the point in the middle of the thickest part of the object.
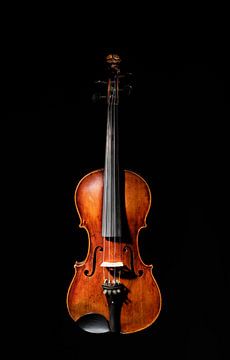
(110, 178)
(116, 151)
(106, 244)
(103, 259)
(117, 134)
(114, 187)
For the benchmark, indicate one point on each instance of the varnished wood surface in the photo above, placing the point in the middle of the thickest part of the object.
(85, 293)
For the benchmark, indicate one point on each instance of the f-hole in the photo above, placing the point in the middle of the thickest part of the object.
(86, 272)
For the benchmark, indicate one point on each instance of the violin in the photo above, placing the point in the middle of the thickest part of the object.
(113, 290)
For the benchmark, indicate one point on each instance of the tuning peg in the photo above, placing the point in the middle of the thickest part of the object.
(127, 89)
(100, 82)
(121, 76)
(97, 97)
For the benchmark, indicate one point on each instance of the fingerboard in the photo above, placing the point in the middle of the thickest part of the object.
(111, 214)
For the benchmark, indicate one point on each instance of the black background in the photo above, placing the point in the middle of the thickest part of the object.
(173, 132)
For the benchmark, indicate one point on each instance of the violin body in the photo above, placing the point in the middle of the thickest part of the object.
(142, 304)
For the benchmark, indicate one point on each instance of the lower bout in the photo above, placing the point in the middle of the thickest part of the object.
(141, 309)
(137, 308)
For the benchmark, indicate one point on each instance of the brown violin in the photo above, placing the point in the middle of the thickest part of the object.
(112, 289)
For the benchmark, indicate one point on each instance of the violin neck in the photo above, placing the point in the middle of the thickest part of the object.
(111, 214)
